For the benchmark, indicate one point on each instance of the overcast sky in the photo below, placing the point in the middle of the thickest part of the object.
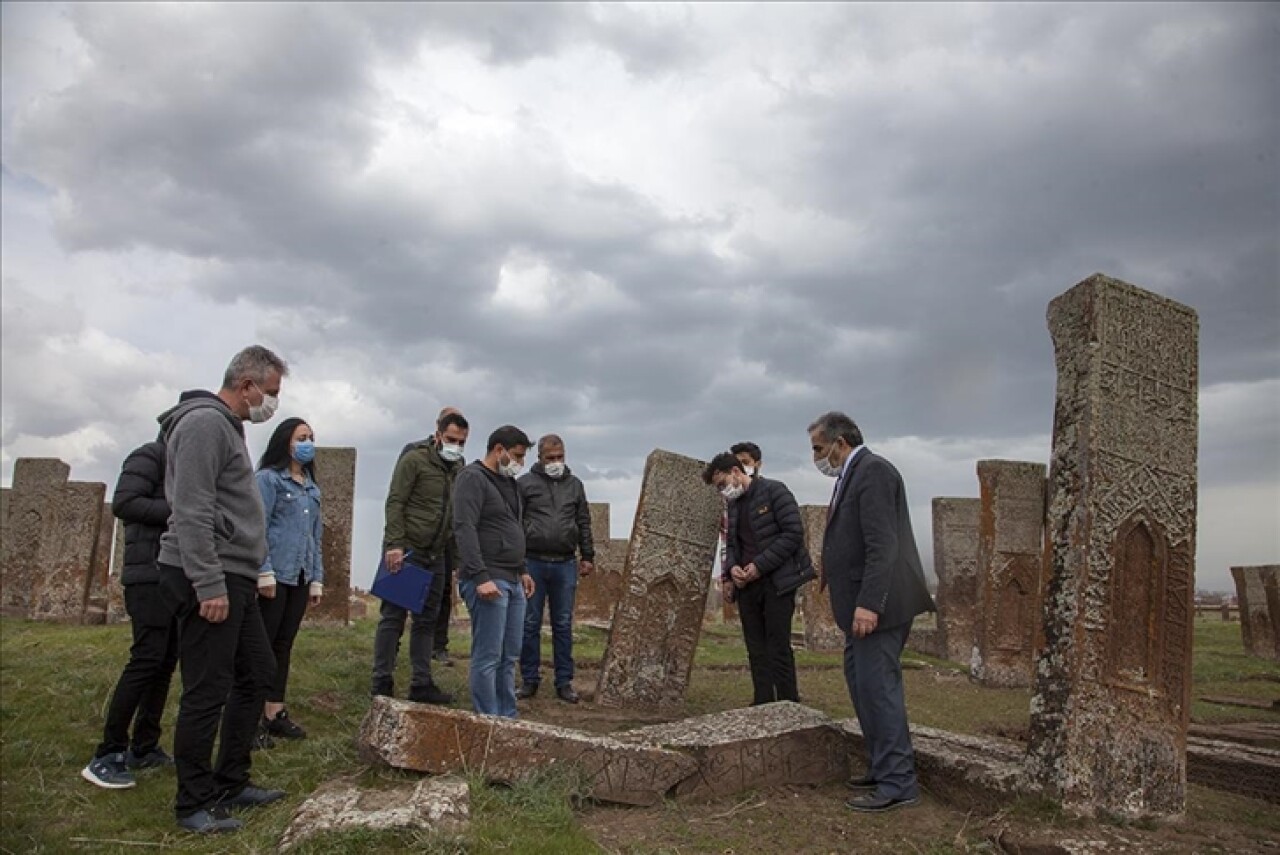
(638, 226)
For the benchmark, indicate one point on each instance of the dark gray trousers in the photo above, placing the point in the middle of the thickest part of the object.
(386, 638)
(873, 671)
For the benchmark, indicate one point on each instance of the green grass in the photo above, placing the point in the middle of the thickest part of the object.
(55, 682)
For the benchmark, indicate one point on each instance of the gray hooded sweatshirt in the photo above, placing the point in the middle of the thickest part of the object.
(217, 525)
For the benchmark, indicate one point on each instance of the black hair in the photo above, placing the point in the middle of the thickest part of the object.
(508, 436)
(443, 423)
(836, 425)
(725, 461)
(749, 447)
(277, 455)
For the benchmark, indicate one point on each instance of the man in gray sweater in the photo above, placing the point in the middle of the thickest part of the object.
(491, 572)
(209, 560)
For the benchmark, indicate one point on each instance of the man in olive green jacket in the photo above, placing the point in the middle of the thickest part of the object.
(419, 529)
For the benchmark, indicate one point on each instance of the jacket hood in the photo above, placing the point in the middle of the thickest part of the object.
(189, 402)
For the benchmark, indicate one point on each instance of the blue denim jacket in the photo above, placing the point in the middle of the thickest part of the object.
(294, 529)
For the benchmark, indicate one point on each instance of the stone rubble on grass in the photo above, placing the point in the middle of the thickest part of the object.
(436, 804)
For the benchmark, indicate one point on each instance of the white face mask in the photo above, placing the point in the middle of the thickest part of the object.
(555, 470)
(826, 467)
(750, 470)
(450, 452)
(511, 468)
(259, 413)
(731, 492)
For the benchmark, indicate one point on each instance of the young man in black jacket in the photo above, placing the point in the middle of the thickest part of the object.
(143, 687)
(767, 563)
(557, 528)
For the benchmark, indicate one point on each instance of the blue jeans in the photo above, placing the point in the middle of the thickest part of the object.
(556, 581)
(496, 632)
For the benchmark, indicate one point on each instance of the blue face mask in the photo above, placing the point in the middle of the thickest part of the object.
(304, 451)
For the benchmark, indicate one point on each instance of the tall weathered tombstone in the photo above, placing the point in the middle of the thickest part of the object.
(659, 618)
(336, 475)
(100, 573)
(598, 593)
(115, 591)
(820, 630)
(955, 563)
(1112, 694)
(1258, 591)
(1010, 551)
(36, 483)
(60, 592)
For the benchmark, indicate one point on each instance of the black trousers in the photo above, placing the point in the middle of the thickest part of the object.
(143, 686)
(766, 628)
(281, 617)
(227, 669)
(446, 609)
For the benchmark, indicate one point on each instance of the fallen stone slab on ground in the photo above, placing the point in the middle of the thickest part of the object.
(762, 746)
(439, 804)
(1244, 769)
(971, 772)
(439, 740)
(1261, 733)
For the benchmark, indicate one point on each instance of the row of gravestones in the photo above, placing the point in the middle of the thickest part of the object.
(1109, 609)
(61, 549)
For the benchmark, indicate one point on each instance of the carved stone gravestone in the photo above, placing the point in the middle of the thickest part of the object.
(36, 482)
(820, 630)
(1112, 694)
(100, 574)
(115, 591)
(598, 593)
(60, 592)
(659, 618)
(1258, 591)
(955, 563)
(1010, 546)
(336, 475)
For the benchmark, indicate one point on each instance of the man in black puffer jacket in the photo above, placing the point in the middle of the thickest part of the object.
(143, 687)
(767, 563)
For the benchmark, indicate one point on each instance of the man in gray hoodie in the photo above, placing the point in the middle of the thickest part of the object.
(209, 560)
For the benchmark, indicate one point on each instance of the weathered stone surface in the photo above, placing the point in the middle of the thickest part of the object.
(1258, 590)
(36, 481)
(100, 573)
(1249, 770)
(656, 625)
(598, 593)
(336, 475)
(1010, 549)
(970, 772)
(434, 804)
(1112, 693)
(61, 589)
(926, 640)
(820, 630)
(115, 591)
(762, 746)
(439, 740)
(955, 563)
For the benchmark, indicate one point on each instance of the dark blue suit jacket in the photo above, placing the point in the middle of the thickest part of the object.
(869, 554)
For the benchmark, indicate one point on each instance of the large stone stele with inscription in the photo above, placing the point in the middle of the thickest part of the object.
(955, 563)
(28, 522)
(656, 624)
(1258, 591)
(820, 630)
(336, 475)
(1010, 546)
(598, 593)
(1112, 693)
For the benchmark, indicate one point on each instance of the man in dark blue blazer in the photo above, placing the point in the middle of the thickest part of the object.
(870, 561)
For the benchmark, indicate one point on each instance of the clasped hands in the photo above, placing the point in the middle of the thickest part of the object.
(743, 576)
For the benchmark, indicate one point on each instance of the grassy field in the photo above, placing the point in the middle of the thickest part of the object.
(55, 682)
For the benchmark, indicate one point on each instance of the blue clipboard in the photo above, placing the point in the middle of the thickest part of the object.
(407, 589)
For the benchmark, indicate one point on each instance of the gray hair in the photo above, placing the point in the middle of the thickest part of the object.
(836, 425)
(253, 363)
(549, 441)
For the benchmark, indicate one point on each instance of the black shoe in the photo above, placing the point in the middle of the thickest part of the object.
(430, 694)
(150, 760)
(251, 797)
(213, 821)
(110, 772)
(282, 725)
(261, 739)
(442, 656)
(526, 691)
(866, 782)
(384, 686)
(567, 694)
(871, 803)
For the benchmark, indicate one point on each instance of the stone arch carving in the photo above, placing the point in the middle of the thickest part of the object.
(1135, 628)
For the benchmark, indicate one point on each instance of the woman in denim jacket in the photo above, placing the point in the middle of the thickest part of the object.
(293, 574)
